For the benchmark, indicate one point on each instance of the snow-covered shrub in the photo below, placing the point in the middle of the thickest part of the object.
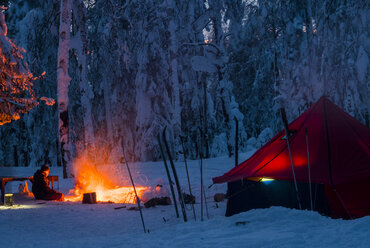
(219, 145)
(264, 137)
(251, 143)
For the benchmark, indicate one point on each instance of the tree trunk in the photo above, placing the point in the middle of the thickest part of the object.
(82, 49)
(308, 33)
(205, 120)
(174, 72)
(63, 83)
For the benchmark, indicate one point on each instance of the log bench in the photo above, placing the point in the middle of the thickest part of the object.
(5, 179)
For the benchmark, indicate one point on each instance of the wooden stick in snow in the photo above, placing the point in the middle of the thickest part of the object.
(133, 185)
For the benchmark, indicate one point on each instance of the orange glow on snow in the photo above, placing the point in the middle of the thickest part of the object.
(90, 179)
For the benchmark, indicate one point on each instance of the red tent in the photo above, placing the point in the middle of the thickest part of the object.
(339, 158)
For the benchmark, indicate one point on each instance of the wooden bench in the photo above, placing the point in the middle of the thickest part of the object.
(4, 180)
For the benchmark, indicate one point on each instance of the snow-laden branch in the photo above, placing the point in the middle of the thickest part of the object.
(203, 44)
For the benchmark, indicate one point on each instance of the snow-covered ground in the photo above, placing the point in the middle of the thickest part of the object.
(34, 223)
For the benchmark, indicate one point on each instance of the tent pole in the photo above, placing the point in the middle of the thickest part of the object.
(287, 134)
(295, 181)
(341, 202)
(309, 169)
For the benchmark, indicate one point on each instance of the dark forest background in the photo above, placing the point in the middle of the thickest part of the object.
(186, 65)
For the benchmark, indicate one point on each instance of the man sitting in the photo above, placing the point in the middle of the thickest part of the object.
(40, 186)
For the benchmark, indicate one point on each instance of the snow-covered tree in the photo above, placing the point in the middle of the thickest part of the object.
(84, 137)
(30, 140)
(112, 74)
(16, 81)
(138, 66)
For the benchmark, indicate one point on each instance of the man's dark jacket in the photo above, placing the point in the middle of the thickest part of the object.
(40, 185)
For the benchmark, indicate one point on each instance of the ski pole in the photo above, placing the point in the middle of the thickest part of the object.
(169, 176)
(205, 201)
(201, 173)
(133, 185)
(175, 176)
(187, 174)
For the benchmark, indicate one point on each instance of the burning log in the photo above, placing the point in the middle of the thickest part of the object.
(104, 181)
(120, 207)
(89, 198)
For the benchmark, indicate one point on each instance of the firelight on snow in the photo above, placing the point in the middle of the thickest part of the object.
(88, 178)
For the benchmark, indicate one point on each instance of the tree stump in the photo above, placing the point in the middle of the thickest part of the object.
(89, 198)
(8, 200)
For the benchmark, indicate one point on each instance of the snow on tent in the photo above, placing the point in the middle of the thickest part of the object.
(339, 162)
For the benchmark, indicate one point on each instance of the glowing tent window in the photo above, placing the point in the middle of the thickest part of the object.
(266, 180)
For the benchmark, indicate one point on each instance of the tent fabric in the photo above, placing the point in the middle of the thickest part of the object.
(339, 165)
(349, 200)
(246, 195)
(338, 149)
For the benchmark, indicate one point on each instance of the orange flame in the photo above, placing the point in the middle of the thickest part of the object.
(103, 181)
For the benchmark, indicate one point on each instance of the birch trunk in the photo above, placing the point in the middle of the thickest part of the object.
(63, 83)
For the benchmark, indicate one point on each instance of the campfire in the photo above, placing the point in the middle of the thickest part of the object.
(105, 180)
